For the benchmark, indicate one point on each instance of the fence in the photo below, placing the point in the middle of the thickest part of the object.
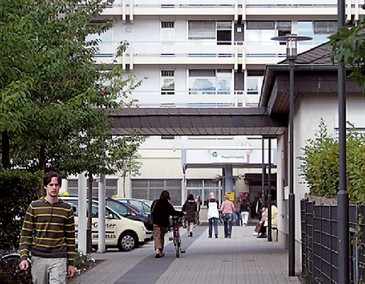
(319, 243)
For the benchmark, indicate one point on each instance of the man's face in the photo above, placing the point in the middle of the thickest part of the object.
(53, 187)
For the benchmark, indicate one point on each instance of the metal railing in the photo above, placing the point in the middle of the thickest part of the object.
(320, 243)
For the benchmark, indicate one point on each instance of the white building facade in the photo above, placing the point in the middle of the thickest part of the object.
(210, 53)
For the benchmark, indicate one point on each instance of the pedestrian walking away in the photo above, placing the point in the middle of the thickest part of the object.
(198, 204)
(48, 235)
(228, 210)
(162, 210)
(190, 209)
(213, 215)
(237, 212)
(244, 211)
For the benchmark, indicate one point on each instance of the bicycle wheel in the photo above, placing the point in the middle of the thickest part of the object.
(17, 275)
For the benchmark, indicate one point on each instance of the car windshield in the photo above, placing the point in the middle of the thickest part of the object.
(137, 203)
(118, 207)
(132, 207)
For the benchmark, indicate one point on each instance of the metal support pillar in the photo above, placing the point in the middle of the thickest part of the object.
(291, 172)
(269, 236)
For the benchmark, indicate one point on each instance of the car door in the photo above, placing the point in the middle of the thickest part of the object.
(111, 237)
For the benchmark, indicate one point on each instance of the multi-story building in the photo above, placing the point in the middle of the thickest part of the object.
(206, 54)
(213, 54)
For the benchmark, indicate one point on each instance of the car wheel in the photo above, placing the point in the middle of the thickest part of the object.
(127, 241)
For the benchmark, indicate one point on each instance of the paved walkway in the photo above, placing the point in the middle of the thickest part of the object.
(240, 259)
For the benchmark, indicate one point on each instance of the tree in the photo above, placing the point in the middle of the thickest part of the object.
(124, 156)
(320, 164)
(52, 93)
(55, 102)
(348, 46)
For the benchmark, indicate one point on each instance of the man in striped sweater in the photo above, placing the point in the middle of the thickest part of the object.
(48, 233)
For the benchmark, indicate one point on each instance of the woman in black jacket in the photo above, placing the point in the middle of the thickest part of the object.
(190, 208)
(162, 209)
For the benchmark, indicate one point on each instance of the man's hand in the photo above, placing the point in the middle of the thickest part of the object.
(71, 270)
(24, 264)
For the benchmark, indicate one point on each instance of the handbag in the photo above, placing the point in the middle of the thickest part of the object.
(258, 227)
(149, 222)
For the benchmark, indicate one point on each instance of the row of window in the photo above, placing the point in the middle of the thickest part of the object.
(201, 81)
(208, 82)
(150, 189)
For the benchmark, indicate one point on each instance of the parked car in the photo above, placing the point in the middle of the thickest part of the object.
(120, 232)
(141, 204)
(128, 210)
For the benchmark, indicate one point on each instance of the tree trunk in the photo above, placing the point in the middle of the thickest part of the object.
(42, 158)
(5, 150)
(89, 211)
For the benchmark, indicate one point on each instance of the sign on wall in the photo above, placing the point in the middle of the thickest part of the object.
(228, 156)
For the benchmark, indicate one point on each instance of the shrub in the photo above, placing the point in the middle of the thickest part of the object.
(320, 164)
(17, 189)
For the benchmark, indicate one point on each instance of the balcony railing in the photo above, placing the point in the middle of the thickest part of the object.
(193, 4)
(198, 99)
(128, 9)
(197, 52)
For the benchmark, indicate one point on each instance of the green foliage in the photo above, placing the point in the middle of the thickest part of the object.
(83, 260)
(348, 46)
(320, 164)
(53, 97)
(17, 189)
(124, 156)
(54, 101)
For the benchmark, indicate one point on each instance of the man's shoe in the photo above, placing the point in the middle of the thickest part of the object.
(191, 234)
(216, 236)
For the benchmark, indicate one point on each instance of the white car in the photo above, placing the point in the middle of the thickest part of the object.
(120, 232)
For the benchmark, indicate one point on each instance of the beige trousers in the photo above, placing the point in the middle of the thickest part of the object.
(49, 270)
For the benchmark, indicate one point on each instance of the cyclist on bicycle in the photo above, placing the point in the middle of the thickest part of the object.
(162, 209)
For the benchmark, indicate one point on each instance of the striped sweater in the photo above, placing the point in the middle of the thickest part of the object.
(48, 231)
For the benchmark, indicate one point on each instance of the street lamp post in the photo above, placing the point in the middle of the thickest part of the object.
(291, 54)
(342, 194)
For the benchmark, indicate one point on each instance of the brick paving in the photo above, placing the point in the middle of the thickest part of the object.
(240, 259)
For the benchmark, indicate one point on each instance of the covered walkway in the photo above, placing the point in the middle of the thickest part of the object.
(197, 121)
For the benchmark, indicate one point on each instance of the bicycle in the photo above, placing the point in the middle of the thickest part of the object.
(177, 222)
(10, 271)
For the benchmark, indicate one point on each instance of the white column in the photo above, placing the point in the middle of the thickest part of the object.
(81, 235)
(101, 220)
(228, 175)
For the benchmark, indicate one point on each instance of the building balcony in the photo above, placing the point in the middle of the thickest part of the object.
(191, 99)
(238, 9)
(235, 56)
